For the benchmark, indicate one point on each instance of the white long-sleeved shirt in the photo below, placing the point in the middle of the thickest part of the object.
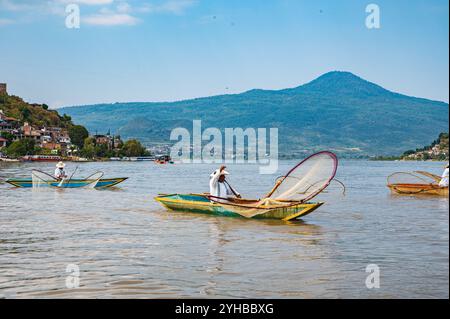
(218, 189)
(444, 180)
(59, 173)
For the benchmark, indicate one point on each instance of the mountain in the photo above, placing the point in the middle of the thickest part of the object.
(338, 111)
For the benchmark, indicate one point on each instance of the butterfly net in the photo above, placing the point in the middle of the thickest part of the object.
(410, 178)
(307, 179)
(302, 183)
(41, 179)
(93, 179)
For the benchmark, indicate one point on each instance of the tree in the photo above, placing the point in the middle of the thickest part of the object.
(133, 148)
(21, 148)
(78, 134)
(25, 113)
(88, 148)
(10, 137)
(45, 106)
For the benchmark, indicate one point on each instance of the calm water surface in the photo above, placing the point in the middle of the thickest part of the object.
(127, 246)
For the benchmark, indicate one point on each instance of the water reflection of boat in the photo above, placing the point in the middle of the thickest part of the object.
(416, 183)
(198, 203)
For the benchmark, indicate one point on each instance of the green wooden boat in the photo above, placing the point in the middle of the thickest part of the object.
(200, 203)
(73, 183)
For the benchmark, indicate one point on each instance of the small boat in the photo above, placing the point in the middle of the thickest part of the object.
(164, 159)
(73, 183)
(200, 203)
(41, 158)
(416, 183)
(8, 160)
(288, 200)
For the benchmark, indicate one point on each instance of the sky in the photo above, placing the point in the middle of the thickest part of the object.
(168, 50)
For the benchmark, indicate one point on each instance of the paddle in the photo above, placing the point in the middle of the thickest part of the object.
(63, 180)
(232, 190)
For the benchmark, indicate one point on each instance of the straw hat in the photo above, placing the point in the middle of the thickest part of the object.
(60, 165)
(216, 172)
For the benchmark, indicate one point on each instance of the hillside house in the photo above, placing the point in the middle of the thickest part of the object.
(3, 142)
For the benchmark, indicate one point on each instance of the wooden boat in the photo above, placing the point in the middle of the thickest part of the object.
(41, 158)
(416, 183)
(289, 199)
(73, 183)
(418, 189)
(200, 203)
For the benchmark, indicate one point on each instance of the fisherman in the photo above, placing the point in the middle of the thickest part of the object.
(219, 187)
(59, 171)
(444, 179)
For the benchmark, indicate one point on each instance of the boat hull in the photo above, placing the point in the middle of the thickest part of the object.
(201, 204)
(418, 189)
(74, 183)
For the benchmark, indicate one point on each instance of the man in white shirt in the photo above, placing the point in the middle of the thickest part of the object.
(219, 187)
(444, 179)
(59, 171)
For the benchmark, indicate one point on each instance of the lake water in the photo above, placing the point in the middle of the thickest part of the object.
(127, 246)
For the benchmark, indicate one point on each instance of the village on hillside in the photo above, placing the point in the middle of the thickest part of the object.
(21, 140)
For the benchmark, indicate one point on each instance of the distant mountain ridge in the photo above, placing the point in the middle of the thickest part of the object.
(338, 111)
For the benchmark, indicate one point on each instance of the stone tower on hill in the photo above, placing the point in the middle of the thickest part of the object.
(3, 88)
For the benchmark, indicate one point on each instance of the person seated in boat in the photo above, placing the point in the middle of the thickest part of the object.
(219, 187)
(59, 171)
(444, 179)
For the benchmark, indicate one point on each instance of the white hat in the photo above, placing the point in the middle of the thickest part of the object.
(60, 165)
(216, 172)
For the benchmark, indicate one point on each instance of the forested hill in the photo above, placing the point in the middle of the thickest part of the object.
(37, 115)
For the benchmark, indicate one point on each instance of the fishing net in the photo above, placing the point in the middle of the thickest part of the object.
(41, 179)
(250, 209)
(414, 183)
(93, 179)
(307, 179)
(415, 178)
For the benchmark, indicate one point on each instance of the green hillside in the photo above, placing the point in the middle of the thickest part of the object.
(337, 111)
(35, 114)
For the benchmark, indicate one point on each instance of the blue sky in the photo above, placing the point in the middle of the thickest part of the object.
(165, 50)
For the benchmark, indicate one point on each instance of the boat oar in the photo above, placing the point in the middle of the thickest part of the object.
(63, 180)
(232, 190)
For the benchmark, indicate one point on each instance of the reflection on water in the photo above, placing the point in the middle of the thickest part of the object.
(127, 246)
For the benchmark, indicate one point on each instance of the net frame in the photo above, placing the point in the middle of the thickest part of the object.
(95, 181)
(38, 179)
(326, 181)
(421, 180)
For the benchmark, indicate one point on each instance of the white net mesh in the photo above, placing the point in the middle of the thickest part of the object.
(307, 179)
(409, 178)
(92, 180)
(41, 179)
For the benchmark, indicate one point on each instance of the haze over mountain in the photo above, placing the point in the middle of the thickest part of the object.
(338, 111)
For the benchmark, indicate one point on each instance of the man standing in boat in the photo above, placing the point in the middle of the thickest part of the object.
(444, 179)
(219, 187)
(59, 171)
